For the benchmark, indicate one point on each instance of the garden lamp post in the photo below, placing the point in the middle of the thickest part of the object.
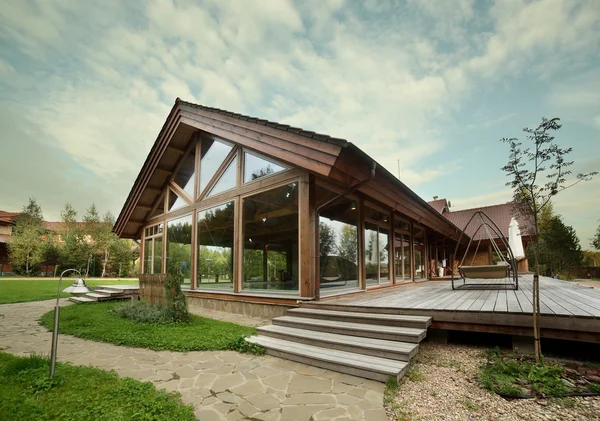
(78, 286)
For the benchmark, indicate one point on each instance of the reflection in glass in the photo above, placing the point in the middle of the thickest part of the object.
(179, 247)
(338, 242)
(376, 247)
(148, 256)
(176, 202)
(256, 167)
(215, 247)
(185, 174)
(270, 235)
(228, 179)
(419, 238)
(402, 257)
(213, 155)
(384, 267)
(158, 251)
(371, 254)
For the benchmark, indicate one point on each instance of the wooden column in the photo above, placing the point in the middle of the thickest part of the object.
(307, 225)
(362, 270)
(194, 265)
(238, 252)
(392, 250)
(412, 252)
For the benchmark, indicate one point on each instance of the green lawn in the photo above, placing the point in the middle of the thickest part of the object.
(98, 321)
(18, 290)
(80, 393)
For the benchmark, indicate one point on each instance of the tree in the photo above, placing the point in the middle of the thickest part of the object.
(528, 167)
(92, 228)
(561, 246)
(75, 250)
(596, 239)
(25, 247)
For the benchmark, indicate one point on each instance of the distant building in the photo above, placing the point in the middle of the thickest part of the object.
(501, 214)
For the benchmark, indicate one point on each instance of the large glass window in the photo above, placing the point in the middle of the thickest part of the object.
(402, 250)
(213, 155)
(228, 179)
(176, 202)
(376, 247)
(158, 252)
(179, 247)
(153, 241)
(256, 167)
(419, 246)
(185, 174)
(215, 247)
(148, 256)
(270, 236)
(338, 242)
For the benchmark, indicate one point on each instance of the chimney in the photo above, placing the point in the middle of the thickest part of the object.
(435, 197)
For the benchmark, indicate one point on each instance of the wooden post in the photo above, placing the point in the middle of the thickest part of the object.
(194, 259)
(392, 250)
(412, 252)
(307, 228)
(238, 247)
(362, 269)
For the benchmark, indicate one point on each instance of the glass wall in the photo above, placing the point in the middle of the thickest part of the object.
(419, 246)
(153, 241)
(215, 247)
(148, 256)
(338, 242)
(270, 236)
(213, 155)
(179, 247)
(256, 167)
(376, 247)
(403, 250)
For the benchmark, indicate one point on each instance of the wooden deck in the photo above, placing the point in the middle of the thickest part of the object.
(569, 310)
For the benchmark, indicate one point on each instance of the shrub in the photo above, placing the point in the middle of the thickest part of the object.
(175, 301)
(143, 312)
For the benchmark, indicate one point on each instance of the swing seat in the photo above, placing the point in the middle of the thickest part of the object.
(498, 271)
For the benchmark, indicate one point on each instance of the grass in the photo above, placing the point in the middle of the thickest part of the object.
(389, 399)
(100, 322)
(414, 374)
(517, 377)
(80, 394)
(18, 290)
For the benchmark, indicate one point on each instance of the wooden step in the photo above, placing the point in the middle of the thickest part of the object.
(125, 289)
(419, 322)
(82, 300)
(369, 367)
(389, 333)
(401, 351)
(97, 295)
(112, 293)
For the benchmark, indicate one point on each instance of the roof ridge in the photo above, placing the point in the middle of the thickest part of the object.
(273, 124)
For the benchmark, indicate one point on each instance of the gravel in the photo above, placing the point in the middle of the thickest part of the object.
(442, 385)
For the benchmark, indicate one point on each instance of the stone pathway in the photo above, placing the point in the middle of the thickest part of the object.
(222, 385)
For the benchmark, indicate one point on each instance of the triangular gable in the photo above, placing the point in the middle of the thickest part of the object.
(293, 147)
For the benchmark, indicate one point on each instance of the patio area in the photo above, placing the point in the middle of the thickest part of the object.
(569, 311)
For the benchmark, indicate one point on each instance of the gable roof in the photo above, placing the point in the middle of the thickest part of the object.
(8, 218)
(439, 205)
(501, 214)
(323, 155)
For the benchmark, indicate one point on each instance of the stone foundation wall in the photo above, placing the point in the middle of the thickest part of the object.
(265, 311)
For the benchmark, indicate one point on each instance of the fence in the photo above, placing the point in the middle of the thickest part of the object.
(152, 288)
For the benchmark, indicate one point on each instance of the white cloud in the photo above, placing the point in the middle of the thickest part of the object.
(104, 78)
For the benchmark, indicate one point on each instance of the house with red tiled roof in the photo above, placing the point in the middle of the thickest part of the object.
(7, 220)
(501, 214)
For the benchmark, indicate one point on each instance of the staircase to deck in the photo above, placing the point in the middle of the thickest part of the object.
(369, 345)
(105, 293)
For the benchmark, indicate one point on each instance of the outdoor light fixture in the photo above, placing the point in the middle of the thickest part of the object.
(77, 288)
(353, 205)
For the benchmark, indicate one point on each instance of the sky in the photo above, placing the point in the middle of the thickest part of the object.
(426, 87)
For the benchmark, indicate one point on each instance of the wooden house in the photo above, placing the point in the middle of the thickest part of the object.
(254, 211)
